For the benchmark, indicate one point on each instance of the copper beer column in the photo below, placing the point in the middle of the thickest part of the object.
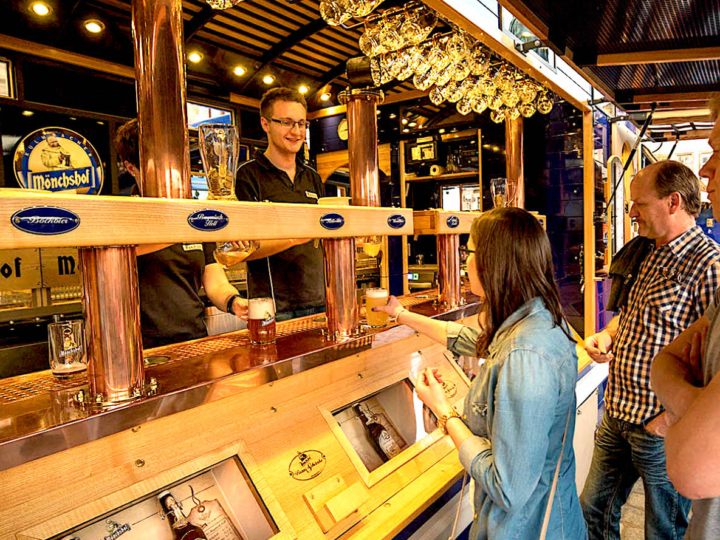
(340, 296)
(111, 309)
(514, 160)
(449, 269)
(160, 74)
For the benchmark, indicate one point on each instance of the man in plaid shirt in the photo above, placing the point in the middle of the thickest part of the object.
(675, 284)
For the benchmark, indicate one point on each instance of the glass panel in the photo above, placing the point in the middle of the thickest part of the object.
(204, 114)
(218, 504)
(513, 27)
(381, 426)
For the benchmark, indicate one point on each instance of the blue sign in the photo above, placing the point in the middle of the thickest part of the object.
(453, 221)
(45, 220)
(332, 222)
(58, 159)
(396, 221)
(208, 220)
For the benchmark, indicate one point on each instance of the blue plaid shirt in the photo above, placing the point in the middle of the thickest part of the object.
(676, 283)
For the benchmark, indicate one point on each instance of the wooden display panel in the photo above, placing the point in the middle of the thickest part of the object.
(436, 221)
(107, 221)
(266, 427)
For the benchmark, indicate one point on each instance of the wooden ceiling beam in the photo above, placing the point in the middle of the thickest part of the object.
(671, 96)
(198, 22)
(658, 57)
(667, 106)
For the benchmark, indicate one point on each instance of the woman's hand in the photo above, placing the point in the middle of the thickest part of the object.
(392, 308)
(431, 392)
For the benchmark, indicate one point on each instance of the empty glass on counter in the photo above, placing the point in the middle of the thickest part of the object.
(67, 348)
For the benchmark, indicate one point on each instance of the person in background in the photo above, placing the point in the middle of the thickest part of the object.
(670, 288)
(517, 437)
(171, 275)
(294, 277)
(685, 377)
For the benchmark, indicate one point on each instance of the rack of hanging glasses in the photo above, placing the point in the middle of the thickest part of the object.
(407, 42)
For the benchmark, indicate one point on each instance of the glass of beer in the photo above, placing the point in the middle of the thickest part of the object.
(261, 320)
(373, 298)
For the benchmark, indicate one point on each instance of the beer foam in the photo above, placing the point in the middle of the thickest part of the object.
(258, 307)
(376, 293)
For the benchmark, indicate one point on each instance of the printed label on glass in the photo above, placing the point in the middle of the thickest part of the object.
(45, 220)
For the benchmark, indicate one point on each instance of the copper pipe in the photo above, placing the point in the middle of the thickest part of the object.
(160, 74)
(111, 308)
(341, 299)
(448, 246)
(514, 160)
(363, 144)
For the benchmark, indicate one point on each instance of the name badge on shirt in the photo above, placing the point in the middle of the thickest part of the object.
(192, 247)
(311, 195)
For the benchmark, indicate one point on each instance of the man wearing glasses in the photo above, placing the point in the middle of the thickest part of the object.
(293, 277)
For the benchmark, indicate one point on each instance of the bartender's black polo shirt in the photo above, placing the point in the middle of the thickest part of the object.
(170, 307)
(297, 273)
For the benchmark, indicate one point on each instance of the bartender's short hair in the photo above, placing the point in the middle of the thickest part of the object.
(126, 142)
(714, 106)
(673, 176)
(279, 94)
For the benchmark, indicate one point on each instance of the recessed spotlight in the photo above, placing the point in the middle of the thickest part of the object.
(101, 122)
(496, 148)
(487, 146)
(406, 130)
(412, 124)
(441, 130)
(526, 34)
(325, 96)
(195, 57)
(94, 26)
(393, 115)
(420, 126)
(40, 8)
(73, 118)
(404, 121)
(303, 89)
(27, 113)
(239, 71)
(268, 79)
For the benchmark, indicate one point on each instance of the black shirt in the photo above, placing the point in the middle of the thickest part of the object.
(170, 307)
(297, 273)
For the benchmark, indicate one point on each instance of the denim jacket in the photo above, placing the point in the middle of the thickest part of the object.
(517, 408)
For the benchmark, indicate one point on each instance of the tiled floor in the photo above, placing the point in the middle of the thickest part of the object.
(632, 523)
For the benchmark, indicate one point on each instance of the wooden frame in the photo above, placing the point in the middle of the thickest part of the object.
(9, 78)
(436, 222)
(589, 222)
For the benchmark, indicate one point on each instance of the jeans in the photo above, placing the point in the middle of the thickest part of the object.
(623, 453)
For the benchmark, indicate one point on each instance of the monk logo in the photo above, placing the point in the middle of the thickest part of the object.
(45, 220)
(307, 465)
(453, 222)
(396, 221)
(57, 159)
(332, 222)
(208, 220)
(115, 529)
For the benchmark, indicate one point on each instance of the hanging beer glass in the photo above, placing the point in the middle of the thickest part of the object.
(503, 193)
(220, 149)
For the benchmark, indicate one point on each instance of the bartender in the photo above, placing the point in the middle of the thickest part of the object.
(171, 275)
(294, 277)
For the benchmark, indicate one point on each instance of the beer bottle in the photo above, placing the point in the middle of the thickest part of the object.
(179, 525)
(380, 438)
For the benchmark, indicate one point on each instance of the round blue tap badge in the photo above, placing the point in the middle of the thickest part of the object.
(57, 159)
(396, 221)
(332, 222)
(453, 221)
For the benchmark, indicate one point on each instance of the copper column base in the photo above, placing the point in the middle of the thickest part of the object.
(449, 269)
(341, 299)
(111, 306)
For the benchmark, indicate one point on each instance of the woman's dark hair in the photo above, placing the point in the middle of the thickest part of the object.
(514, 265)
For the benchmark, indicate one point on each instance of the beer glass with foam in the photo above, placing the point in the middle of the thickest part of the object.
(261, 320)
(374, 298)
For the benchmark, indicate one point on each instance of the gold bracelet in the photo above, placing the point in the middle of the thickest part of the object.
(443, 420)
(403, 310)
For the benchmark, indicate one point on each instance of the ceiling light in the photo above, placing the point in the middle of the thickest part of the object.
(27, 113)
(420, 126)
(325, 97)
(94, 26)
(405, 130)
(526, 34)
(40, 8)
(303, 89)
(412, 124)
(268, 79)
(404, 121)
(239, 71)
(393, 115)
(496, 148)
(441, 130)
(101, 122)
(195, 57)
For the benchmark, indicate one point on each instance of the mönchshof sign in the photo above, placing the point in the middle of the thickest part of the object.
(57, 159)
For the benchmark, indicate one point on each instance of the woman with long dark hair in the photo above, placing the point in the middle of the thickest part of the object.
(515, 439)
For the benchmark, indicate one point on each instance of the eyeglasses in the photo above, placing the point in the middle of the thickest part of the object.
(289, 123)
(465, 251)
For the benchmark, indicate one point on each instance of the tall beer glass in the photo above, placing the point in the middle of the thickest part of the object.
(220, 150)
(261, 320)
(374, 298)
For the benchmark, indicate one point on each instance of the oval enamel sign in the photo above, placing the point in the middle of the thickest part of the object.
(45, 220)
(453, 221)
(332, 222)
(208, 220)
(396, 221)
